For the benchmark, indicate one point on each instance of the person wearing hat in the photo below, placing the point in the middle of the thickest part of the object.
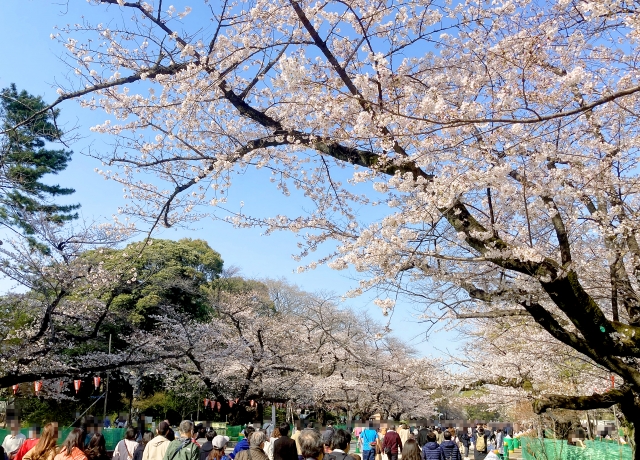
(218, 444)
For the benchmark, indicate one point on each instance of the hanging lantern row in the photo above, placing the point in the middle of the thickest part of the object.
(38, 385)
(216, 405)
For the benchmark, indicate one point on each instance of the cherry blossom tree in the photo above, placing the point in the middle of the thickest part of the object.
(282, 345)
(480, 158)
(55, 324)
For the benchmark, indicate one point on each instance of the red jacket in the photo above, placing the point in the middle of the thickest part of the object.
(392, 441)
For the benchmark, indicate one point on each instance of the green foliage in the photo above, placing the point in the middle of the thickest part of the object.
(481, 412)
(25, 160)
(166, 272)
(36, 411)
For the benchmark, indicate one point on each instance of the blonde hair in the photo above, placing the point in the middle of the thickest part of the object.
(47, 442)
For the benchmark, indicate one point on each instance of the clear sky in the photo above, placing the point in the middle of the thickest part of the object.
(29, 58)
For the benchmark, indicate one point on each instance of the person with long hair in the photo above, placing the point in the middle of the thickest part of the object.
(72, 446)
(45, 449)
(268, 446)
(97, 448)
(411, 450)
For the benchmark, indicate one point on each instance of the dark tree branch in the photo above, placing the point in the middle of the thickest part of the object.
(595, 401)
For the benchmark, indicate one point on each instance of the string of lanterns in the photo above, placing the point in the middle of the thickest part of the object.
(39, 384)
(217, 405)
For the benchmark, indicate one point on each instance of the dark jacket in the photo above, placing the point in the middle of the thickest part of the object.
(392, 442)
(284, 448)
(137, 454)
(450, 450)
(205, 450)
(243, 444)
(465, 439)
(422, 437)
(432, 451)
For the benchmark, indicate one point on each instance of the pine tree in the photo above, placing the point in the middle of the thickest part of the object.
(25, 159)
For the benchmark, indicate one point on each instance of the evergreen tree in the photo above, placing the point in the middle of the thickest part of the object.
(25, 159)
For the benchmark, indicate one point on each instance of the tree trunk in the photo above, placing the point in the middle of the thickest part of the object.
(630, 407)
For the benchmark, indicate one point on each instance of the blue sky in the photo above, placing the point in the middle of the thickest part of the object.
(33, 61)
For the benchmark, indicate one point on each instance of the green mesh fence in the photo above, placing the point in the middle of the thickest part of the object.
(233, 431)
(556, 449)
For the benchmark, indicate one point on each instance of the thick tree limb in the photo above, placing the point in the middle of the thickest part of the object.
(493, 314)
(595, 401)
(16, 378)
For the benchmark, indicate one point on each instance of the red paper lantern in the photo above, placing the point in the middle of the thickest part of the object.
(230, 403)
(76, 385)
(218, 405)
(15, 388)
(96, 382)
(206, 402)
(213, 404)
(61, 386)
(37, 386)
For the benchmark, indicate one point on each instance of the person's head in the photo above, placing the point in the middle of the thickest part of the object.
(311, 445)
(392, 428)
(310, 425)
(34, 432)
(431, 436)
(276, 433)
(97, 447)
(75, 438)
(146, 437)
(14, 425)
(447, 435)
(481, 431)
(163, 428)
(341, 439)
(186, 428)
(46, 443)
(411, 450)
(284, 429)
(248, 431)
(210, 435)
(130, 434)
(218, 443)
(202, 432)
(171, 435)
(258, 439)
(439, 430)
(370, 423)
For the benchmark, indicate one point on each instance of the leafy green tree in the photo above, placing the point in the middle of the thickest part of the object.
(166, 272)
(25, 160)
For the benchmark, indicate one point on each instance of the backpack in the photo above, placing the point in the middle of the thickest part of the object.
(481, 443)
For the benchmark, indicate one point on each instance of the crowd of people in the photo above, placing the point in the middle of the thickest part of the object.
(190, 442)
(430, 443)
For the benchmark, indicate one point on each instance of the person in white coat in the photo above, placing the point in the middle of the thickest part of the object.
(157, 447)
